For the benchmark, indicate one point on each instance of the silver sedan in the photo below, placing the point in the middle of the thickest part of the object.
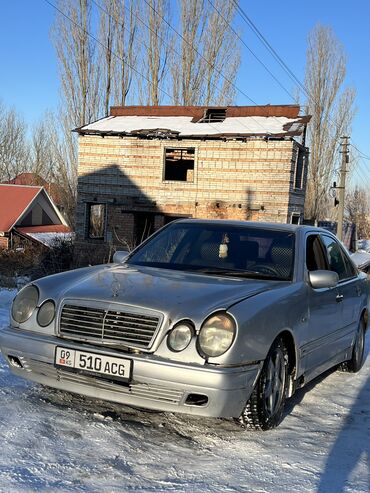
(211, 318)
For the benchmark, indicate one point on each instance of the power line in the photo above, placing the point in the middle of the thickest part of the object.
(363, 155)
(250, 50)
(270, 48)
(281, 62)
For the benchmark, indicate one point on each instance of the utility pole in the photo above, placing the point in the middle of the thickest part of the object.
(342, 185)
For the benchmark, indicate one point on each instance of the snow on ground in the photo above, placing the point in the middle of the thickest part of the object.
(53, 441)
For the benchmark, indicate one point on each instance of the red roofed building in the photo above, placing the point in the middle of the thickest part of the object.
(27, 212)
(32, 179)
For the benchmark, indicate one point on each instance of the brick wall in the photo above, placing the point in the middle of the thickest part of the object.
(4, 242)
(251, 179)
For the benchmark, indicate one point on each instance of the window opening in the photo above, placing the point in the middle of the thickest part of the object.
(299, 168)
(213, 115)
(295, 218)
(179, 164)
(96, 221)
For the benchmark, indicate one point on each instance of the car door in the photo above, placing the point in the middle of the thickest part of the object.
(349, 291)
(324, 312)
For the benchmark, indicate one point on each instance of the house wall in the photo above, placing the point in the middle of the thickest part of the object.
(252, 179)
(35, 216)
(4, 242)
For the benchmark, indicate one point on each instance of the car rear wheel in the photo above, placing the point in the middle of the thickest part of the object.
(354, 364)
(264, 410)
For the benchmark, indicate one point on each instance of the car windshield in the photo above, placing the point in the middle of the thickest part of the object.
(220, 249)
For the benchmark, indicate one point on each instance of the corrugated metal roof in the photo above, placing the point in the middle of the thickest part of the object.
(14, 200)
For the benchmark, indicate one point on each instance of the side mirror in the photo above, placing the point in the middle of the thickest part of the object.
(119, 256)
(323, 279)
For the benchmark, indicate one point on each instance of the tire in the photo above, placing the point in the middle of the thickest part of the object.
(265, 407)
(354, 364)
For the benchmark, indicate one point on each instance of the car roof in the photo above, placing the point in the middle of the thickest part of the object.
(254, 224)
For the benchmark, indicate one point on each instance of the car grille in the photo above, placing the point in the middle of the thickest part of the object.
(110, 326)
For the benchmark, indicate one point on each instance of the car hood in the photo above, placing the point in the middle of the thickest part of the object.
(177, 294)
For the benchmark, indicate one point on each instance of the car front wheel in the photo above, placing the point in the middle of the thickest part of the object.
(354, 364)
(264, 410)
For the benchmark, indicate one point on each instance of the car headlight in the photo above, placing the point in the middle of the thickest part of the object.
(179, 338)
(25, 303)
(46, 313)
(216, 335)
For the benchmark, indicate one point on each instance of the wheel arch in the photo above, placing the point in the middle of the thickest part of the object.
(289, 342)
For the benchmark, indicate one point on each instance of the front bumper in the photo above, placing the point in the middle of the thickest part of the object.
(156, 383)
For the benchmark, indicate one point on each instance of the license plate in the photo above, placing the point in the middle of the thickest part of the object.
(92, 363)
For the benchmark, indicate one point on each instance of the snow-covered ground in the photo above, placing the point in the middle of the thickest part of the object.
(57, 442)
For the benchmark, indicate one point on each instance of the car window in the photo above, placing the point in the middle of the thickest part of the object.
(350, 268)
(315, 255)
(207, 246)
(336, 258)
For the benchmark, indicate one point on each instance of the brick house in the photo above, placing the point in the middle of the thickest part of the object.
(141, 167)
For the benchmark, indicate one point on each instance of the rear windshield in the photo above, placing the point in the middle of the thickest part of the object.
(220, 249)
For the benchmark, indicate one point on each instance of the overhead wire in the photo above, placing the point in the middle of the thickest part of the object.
(270, 48)
(281, 62)
(250, 50)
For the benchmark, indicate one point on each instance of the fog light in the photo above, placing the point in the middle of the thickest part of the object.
(196, 400)
(15, 361)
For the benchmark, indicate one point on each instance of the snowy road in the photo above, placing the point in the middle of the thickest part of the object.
(57, 442)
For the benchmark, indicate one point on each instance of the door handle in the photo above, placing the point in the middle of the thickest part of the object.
(339, 298)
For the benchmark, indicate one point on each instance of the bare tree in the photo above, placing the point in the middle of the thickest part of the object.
(188, 71)
(157, 46)
(332, 110)
(107, 60)
(65, 168)
(357, 211)
(79, 72)
(118, 49)
(210, 56)
(52, 157)
(222, 53)
(42, 156)
(14, 149)
(81, 101)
